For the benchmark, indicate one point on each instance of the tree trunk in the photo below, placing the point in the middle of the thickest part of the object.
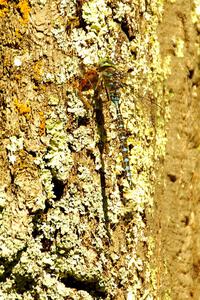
(74, 224)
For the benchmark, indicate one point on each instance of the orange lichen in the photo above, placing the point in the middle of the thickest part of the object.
(22, 108)
(24, 7)
(3, 2)
(3, 7)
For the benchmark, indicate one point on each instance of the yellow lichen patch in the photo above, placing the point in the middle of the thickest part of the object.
(17, 33)
(22, 108)
(18, 76)
(38, 70)
(24, 7)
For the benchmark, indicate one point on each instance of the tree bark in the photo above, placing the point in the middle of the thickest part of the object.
(72, 227)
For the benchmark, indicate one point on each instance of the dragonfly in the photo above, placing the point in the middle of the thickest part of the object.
(108, 77)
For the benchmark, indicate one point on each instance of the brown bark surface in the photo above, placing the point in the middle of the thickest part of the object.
(179, 200)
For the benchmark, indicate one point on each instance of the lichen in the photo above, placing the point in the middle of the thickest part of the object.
(24, 8)
(196, 12)
(179, 46)
(3, 196)
(4, 8)
(15, 145)
(23, 108)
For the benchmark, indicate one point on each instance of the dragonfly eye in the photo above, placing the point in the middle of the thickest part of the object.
(106, 63)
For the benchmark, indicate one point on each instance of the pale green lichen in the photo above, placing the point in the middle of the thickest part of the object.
(58, 157)
(195, 13)
(3, 196)
(81, 138)
(9, 246)
(96, 17)
(46, 179)
(15, 145)
(59, 33)
(57, 161)
(67, 7)
(65, 70)
(121, 10)
(97, 28)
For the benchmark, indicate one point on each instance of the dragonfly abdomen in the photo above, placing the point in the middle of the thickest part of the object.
(124, 145)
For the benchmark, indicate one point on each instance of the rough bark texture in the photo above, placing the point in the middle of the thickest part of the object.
(71, 226)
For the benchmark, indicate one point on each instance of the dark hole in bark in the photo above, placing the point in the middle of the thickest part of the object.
(92, 287)
(58, 188)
